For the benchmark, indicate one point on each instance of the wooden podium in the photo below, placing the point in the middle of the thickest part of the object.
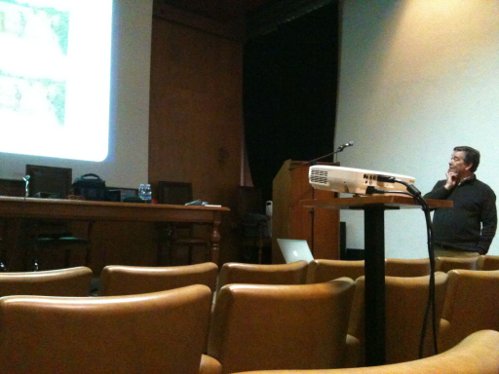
(320, 227)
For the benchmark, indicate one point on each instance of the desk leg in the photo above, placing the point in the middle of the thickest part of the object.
(374, 227)
(215, 238)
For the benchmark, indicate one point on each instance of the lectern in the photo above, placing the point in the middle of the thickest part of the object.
(320, 227)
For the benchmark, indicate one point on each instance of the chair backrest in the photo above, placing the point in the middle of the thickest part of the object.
(407, 267)
(323, 270)
(174, 192)
(476, 354)
(236, 272)
(162, 332)
(280, 326)
(405, 304)
(54, 181)
(249, 200)
(471, 304)
(12, 187)
(445, 264)
(127, 280)
(60, 282)
(488, 262)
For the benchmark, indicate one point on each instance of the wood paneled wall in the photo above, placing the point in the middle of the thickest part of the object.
(195, 132)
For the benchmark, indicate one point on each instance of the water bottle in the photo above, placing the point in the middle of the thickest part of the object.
(268, 213)
(145, 193)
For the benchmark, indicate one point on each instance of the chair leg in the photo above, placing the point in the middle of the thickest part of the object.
(35, 265)
(3, 267)
(67, 257)
(3, 239)
(88, 254)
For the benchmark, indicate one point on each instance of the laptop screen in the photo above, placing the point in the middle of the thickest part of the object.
(295, 250)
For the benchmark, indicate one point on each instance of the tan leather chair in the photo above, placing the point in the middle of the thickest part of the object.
(476, 354)
(488, 262)
(236, 272)
(127, 280)
(407, 267)
(60, 282)
(161, 332)
(471, 304)
(323, 270)
(448, 263)
(405, 299)
(280, 326)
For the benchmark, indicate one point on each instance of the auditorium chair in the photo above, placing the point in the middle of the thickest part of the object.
(476, 354)
(405, 303)
(159, 332)
(471, 304)
(60, 282)
(237, 272)
(443, 263)
(257, 326)
(407, 267)
(323, 270)
(126, 280)
(488, 262)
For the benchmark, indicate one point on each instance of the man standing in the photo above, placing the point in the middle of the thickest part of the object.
(468, 228)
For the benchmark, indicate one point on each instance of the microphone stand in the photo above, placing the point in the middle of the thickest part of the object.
(334, 153)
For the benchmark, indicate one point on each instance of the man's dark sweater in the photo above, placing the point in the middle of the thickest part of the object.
(471, 224)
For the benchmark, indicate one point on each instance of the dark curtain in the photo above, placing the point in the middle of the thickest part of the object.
(290, 82)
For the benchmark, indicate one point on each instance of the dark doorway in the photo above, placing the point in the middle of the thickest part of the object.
(290, 83)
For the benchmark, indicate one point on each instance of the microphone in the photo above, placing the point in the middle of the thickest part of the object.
(343, 146)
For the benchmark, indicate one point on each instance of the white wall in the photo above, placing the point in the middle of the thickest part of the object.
(417, 78)
(127, 162)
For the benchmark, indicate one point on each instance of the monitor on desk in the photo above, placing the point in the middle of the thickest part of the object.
(48, 181)
(174, 192)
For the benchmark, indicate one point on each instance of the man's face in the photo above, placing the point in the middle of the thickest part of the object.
(457, 164)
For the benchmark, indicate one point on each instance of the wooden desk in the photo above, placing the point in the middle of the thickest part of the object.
(374, 249)
(20, 208)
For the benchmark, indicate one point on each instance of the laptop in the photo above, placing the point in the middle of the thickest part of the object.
(295, 250)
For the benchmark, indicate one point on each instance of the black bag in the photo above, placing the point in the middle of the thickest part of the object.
(90, 186)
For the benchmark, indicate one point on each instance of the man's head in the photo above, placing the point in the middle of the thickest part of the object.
(464, 160)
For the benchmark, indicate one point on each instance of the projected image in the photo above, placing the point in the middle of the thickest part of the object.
(54, 77)
(29, 91)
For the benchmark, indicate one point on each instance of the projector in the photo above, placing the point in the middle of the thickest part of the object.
(355, 181)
